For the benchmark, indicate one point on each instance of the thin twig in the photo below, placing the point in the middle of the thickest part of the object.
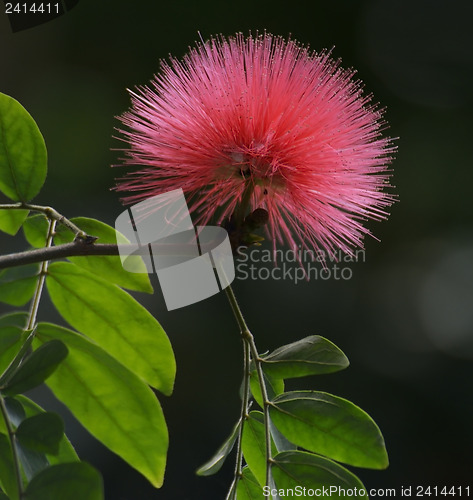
(251, 347)
(50, 213)
(42, 276)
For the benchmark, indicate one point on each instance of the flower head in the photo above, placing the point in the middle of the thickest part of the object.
(266, 122)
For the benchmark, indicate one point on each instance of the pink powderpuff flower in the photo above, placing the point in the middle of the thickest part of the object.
(268, 112)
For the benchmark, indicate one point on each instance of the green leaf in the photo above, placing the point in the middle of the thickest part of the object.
(26, 339)
(215, 463)
(313, 355)
(41, 432)
(248, 487)
(108, 267)
(23, 155)
(36, 229)
(18, 284)
(18, 318)
(12, 337)
(254, 447)
(116, 321)
(10, 344)
(297, 470)
(76, 481)
(274, 386)
(11, 220)
(112, 403)
(330, 426)
(3, 496)
(7, 469)
(32, 462)
(36, 368)
(15, 410)
(66, 450)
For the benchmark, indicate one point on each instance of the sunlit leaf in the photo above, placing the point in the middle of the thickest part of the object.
(116, 321)
(36, 368)
(76, 481)
(17, 284)
(309, 356)
(330, 426)
(112, 403)
(108, 267)
(11, 220)
(274, 386)
(23, 156)
(248, 487)
(254, 445)
(297, 470)
(216, 462)
(36, 229)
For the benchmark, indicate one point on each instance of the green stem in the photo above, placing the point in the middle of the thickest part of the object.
(243, 416)
(250, 348)
(50, 213)
(42, 276)
(12, 438)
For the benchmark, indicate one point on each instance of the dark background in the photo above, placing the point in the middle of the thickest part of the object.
(405, 319)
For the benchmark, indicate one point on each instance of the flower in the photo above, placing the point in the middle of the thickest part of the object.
(268, 122)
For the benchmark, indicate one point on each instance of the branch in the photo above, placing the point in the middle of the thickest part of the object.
(87, 247)
(74, 249)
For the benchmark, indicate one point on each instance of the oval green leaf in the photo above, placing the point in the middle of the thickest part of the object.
(11, 220)
(18, 284)
(76, 481)
(42, 432)
(297, 470)
(23, 155)
(66, 450)
(18, 318)
(254, 445)
(36, 368)
(32, 462)
(274, 386)
(215, 463)
(330, 426)
(10, 344)
(35, 229)
(116, 321)
(108, 267)
(248, 487)
(312, 355)
(112, 403)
